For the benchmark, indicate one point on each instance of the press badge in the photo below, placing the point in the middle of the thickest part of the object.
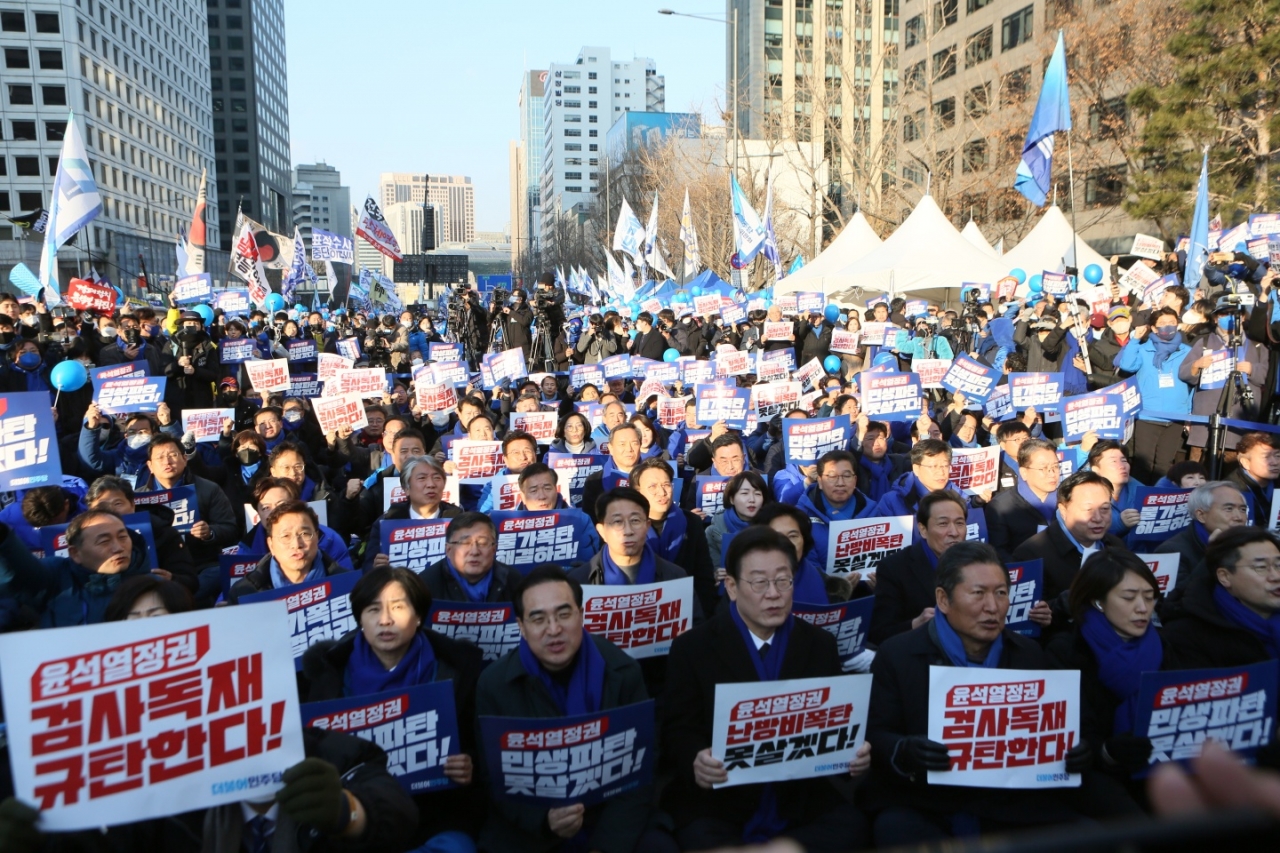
(1166, 380)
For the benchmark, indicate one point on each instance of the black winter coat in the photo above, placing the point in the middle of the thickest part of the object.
(905, 586)
(1061, 564)
(1011, 520)
(1198, 636)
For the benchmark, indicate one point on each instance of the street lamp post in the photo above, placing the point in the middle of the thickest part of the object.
(731, 22)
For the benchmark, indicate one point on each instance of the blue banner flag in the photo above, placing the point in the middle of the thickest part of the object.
(612, 752)
(130, 370)
(297, 273)
(847, 621)
(74, 203)
(491, 627)
(122, 396)
(1198, 247)
(1026, 587)
(317, 611)
(1053, 113)
(417, 727)
(413, 544)
(530, 538)
(181, 499)
(804, 440)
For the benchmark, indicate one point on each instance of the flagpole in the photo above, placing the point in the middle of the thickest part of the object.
(1075, 234)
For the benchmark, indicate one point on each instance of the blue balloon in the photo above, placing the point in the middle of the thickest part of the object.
(831, 364)
(275, 302)
(672, 354)
(1035, 285)
(635, 312)
(68, 376)
(831, 312)
(680, 297)
(299, 307)
(1093, 273)
(697, 290)
(205, 312)
(1018, 273)
(633, 334)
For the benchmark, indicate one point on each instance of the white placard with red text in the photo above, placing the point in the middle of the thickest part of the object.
(336, 412)
(1165, 568)
(847, 342)
(268, 376)
(126, 721)
(975, 469)
(330, 364)
(365, 381)
(205, 424)
(1005, 728)
(476, 461)
(642, 620)
(706, 306)
(540, 425)
(777, 330)
(440, 397)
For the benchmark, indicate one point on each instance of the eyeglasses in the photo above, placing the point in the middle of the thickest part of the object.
(292, 469)
(760, 587)
(129, 433)
(166, 457)
(943, 467)
(660, 488)
(1047, 469)
(482, 542)
(1263, 568)
(845, 477)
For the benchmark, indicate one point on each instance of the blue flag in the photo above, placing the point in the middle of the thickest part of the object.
(297, 273)
(75, 202)
(1053, 113)
(1198, 250)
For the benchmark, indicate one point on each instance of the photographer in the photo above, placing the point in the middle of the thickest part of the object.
(1043, 337)
(596, 343)
(388, 345)
(549, 300)
(195, 369)
(925, 343)
(516, 320)
(650, 342)
(1249, 390)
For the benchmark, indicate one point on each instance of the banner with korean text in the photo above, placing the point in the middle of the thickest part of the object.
(29, 454)
(317, 611)
(891, 396)
(530, 538)
(491, 627)
(847, 621)
(121, 396)
(858, 545)
(413, 544)
(804, 440)
(643, 619)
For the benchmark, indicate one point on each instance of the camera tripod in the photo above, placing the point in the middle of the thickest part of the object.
(1237, 384)
(544, 341)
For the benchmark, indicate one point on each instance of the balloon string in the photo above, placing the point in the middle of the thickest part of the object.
(57, 394)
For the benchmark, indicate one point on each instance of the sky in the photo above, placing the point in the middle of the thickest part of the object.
(431, 86)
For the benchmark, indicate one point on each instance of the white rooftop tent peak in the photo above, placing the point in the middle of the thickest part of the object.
(1049, 243)
(854, 241)
(973, 234)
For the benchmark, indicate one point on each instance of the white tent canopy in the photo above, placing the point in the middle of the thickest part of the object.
(856, 240)
(1048, 244)
(973, 234)
(925, 252)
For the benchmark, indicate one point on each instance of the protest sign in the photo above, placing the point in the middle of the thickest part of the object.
(349, 348)
(318, 610)
(131, 370)
(706, 306)
(810, 374)
(345, 410)
(29, 454)
(1005, 728)
(1264, 224)
(971, 378)
(732, 314)
(1179, 710)
(1035, 389)
(736, 363)
(1153, 290)
(1055, 283)
(443, 352)
(1145, 246)
(365, 381)
(1006, 287)
(1026, 587)
(85, 295)
(805, 440)
(119, 396)
(327, 364)
(450, 373)
(846, 342)
(417, 727)
(858, 545)
(671, 411)
(193, 289)
(585, 374)
(303, 350)
(723, 404)
(847, 621)
(664, 372)
(786, 356)
(205, 424)
(304, 385)
(799, 728)
(778, 330)
(1137, 277)
(573, 469)
(507, 365)
(891, 396)
(616, 367)
(640, 619)
(810, 302)
(476, 461)
(786, 302)
(232, 567)
(1128, 389)
(999, 406)
(237, 350)
(540, 425)
(180, 499)
(267, 376)
(441, 397)
(610, 753)
(327, 246)
(931, 370)
(503, 493)
(975, 470)
(878, 334)
(709, 493)
(1097, 412)
(1164, 513)
(694, 371)
(1221, 364)
(490, 627)
(232, 302)
(1165, 568)
(774, 398)
(204, 705)
(529, 538)
(413, 544)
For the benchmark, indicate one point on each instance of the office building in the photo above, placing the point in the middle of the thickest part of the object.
(526, 171)
(320, 201)
(137, 77)
(250, 112)
(452, 196)
(581, 101)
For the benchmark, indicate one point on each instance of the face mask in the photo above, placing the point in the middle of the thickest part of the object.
(1225, 322)
(109, 333)
(293, 416)
(29, 360)
(1166, 333)
(439, 419)
(406, 323)
(6, 338)
(417, 362)
(228, 398)
(137, 442)
(248, 455)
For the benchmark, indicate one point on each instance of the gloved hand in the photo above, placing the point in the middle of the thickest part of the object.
(916, 754)
(1128, 752)
(312, 794)
(18, 833)
(1080, 757)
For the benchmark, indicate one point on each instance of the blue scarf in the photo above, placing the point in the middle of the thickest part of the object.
(308, 489)
(1266, 630)
(952, 646)
(1164, 349)
(585, 689)
(1121, 663)
(315, 573)
(124, 345)
(610, 473)
(1012, 463)
(844, 513)
(667, 544)
(273, 443)
(646, 572)
(365, 673)
(809, 586)
(475, 592)
(247, 471)
(733, 525)
(1046, 507)
(1201, 533)
(765, 823)
(878, 483)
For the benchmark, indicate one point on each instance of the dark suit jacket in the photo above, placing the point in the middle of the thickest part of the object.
(1061, 563)
(900, 709)
(1197, 636)
(445, 587)
(507, 690)
(1190, 554)
(904, 587)
(712, 654)
(1011, 520)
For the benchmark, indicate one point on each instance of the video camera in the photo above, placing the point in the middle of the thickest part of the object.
(499, 298)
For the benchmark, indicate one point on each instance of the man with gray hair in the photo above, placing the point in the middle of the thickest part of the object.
(423, 480)
(1213, 507)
